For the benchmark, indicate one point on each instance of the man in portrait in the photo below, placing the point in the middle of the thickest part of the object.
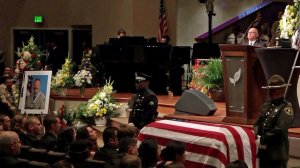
(36, 99)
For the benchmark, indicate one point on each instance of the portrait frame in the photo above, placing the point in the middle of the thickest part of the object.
(35, 92)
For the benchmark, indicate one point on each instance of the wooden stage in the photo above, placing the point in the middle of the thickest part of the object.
(166, 108)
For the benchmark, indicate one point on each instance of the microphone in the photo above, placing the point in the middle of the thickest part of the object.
(251, 25)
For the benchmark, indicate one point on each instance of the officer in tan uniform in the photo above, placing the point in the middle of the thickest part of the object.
(271, 127)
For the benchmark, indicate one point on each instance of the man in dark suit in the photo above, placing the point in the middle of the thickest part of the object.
(54, 58)
(52, 126)
(10, 146)
(145, 103)
(253, 38)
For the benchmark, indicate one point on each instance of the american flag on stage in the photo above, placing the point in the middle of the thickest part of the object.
(162, 29)
(207, 145)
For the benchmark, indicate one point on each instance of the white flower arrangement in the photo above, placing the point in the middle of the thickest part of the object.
(290, 21)
(102, 104)
(82, 78)
(29, 57)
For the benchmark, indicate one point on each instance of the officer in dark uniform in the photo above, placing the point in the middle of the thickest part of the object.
(145, 103)
(271, 127)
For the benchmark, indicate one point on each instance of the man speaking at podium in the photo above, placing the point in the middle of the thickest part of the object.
(145, 103)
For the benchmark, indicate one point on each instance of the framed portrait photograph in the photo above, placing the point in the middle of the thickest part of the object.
(35, 92)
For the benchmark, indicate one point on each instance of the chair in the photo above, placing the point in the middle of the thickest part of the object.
(95, 163)
(53, 156)
(24, 152)
(36, 154)
(36, 164)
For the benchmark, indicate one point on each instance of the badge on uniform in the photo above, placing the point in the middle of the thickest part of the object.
(288, 110)
(151, 103)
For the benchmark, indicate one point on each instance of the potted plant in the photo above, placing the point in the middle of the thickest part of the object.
(212, 79)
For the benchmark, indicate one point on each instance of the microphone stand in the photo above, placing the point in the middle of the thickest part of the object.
(210, 13)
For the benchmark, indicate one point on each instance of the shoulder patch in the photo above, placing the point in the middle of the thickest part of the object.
(288, 110)
(151, 103)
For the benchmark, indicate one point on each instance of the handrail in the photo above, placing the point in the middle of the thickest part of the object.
(234, 19)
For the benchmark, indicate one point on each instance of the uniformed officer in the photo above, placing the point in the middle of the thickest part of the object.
(271, 127)
(145, 103)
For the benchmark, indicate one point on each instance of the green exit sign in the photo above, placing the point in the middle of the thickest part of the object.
(38, 19)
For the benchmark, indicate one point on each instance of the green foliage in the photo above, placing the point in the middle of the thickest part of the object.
(212, 76)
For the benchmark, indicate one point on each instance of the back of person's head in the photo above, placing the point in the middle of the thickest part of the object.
(127, 130)
(82, 133)
(237, 164)
(17, 122)
(10, 142)
(62, 164)
(149, 152)
(49, 121)
(130, 161)
(128, 145)
(79, 150)
(172, 151)
(65, 138)
(109, 133)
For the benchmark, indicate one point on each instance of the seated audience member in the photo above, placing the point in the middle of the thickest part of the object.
(126, 130)
(130, 161)
(17, 125)
(149, 152)
(128, 146)
(121, 33)
(79, 152)
(237, 164)
(109, 152)
(264, 36)
(174, 153)
(88, 133)
(253, 38)
(10, 147)
(236, 37)
(52, 127)
(5, 122)
(165, 39)
(64, 139)
(7, 99)
(62, 164)
(34, 131)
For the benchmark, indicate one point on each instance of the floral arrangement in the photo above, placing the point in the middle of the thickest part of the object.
(196, 75)
(82, 77)
(86, 61)
(102, 104)
(10, 100)
(29, 57)
(67, 116)
(290, 20)
(63, 78)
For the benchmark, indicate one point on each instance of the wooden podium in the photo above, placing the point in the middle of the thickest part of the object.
(243, 79)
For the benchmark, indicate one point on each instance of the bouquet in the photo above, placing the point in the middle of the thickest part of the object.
(29, 57)
(102, 104)
(82, 78)
(290, 20)
(63, 78)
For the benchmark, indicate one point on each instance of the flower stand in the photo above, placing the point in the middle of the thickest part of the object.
(101, 121)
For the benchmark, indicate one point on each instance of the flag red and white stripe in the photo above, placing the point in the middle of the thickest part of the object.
(207, 144)
(163, 28)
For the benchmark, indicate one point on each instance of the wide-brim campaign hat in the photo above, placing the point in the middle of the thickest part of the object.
(276, 82)
(140, 77)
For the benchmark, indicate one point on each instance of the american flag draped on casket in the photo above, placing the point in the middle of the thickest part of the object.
(207, 144)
